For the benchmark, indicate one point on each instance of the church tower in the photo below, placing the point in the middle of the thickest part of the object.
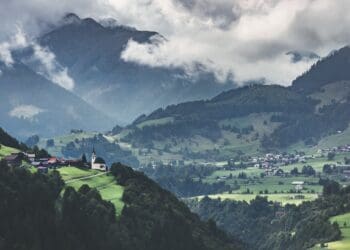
(93, 156)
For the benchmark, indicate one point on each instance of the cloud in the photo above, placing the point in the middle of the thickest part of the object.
(50, 68)
(235, 39)
(27, 112)
(17, 41)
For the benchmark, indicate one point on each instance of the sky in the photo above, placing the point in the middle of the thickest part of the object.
(239, 40)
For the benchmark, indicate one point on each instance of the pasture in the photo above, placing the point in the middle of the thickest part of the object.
(104, 183)
(344, 243)
(281, 198)
(4, 151)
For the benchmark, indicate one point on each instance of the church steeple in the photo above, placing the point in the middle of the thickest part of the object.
(93, 156)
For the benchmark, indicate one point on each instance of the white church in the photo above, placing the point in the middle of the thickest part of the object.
(97, 162)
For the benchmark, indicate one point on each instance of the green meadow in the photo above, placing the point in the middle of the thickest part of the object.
(281, 198)
(4, 151)
(344, 243)
(104, 183)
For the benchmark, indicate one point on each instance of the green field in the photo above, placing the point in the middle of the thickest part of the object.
(256, 184)
(104, 183)
(4, 151)
(344, 243)
(282, 198)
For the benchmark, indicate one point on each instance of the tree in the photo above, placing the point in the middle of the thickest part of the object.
(308, 170)
(50, 143)
(83, 158)
(330, 156)
(294, 171)
(327, 169)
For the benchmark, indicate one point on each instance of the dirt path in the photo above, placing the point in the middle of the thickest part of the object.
(86, 177)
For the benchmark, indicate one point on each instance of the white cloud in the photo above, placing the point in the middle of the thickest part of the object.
(51, 69)
(246, 39)
(17, 41)
(27, 112)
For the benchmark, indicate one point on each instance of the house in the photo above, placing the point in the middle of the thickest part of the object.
(14, 160)
(43, 170)
(298, 185)
(346, 173)
(97, 162)
(52, 161)
(279, 172)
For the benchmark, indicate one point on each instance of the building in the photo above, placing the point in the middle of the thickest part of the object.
(346, 173)
(299, 185)
(97, 162)
(14, 160)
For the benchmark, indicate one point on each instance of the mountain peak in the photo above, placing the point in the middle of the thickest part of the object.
(332, 68)
(71, 18)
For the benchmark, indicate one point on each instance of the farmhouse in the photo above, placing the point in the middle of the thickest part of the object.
(299, 185)
(346, 173)
(14, 160)
(97, 162)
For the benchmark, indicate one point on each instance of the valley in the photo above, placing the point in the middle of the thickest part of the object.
(177, 125)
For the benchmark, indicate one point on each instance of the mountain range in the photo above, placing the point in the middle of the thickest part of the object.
(83, 58)
(311, 114)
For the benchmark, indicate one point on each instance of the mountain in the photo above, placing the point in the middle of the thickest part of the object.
(314, 112)
(31, 104)
(91, 52)
(298, 56)
(333, 68)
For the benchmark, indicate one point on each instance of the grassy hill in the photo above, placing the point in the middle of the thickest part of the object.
(344, 243)
(4, 151)
(104, 183)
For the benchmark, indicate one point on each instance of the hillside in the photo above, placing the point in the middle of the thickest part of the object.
(31, 104)
(91, 51)
(333, 68)
(150, 213)
(250, 120)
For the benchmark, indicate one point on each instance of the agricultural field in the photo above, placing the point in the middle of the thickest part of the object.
(103, 182)
(4, 151)
(276, 188)
(344, 243)
(281, 198)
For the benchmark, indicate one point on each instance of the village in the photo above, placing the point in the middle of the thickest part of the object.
(43, 164)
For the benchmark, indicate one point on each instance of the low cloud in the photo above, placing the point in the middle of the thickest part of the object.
(17, 41)
(51, 69)
(26, 112)
(235, 39)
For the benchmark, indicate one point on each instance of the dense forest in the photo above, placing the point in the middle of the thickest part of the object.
(37, 212)
(265, 225)
(186, 181)
(296, 113)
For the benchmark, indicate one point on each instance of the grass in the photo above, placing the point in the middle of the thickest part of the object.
(105, 184)
(4, 151)
(344, 243)
(256, 184)
(156, 122)
(282, 198)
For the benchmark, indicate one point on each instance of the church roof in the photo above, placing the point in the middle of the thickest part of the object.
(100, 160)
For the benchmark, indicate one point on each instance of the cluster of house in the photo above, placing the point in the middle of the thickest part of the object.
(272, 163)
(339, 149)
(44, 164)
